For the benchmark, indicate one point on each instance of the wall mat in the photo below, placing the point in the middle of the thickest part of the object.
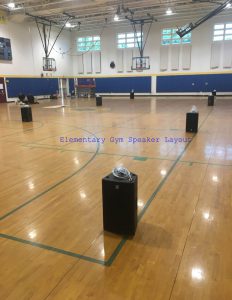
(34, 86)
(123, 84)
(194, 83)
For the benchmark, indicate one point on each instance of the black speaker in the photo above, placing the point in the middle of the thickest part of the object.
(214, 93)
(99, 101)
(120, 204)
(31, 99)
(21, 97)
(191, 122)
(210, 100)
(26, 114)
(132, 95)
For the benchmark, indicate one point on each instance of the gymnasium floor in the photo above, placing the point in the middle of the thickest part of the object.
(52, 244)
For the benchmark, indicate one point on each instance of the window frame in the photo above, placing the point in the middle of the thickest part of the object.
(127, 40)
(89, 43)
(174, 39)
(223, 28)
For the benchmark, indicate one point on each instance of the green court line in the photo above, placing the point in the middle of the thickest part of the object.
(132, 156)
(148, 203)
(53, 186)
(138, 128)
(168, 174)
(116, 252)
(92, 109)
(34, 145)
(119, 247)
(53, 249)
(66, 144)
(52, 136)
(14, 128)
(37, 146)
(206, 163)
(162, 182)
(23, 130)
(140, 158)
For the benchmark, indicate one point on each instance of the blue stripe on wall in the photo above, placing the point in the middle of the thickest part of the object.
(194, 83)
(34, 86)
(123, 84)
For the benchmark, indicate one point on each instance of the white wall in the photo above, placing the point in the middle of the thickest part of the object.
(200, 49)
(27, 51)
(109, 52)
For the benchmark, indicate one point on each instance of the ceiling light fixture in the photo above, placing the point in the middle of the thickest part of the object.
(69, 25)
(116, 18)
(11, 5)
(168, 11)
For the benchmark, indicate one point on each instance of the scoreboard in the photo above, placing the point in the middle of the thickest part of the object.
(5, 49)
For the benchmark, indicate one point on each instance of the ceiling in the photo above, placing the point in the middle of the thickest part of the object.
(92, 14)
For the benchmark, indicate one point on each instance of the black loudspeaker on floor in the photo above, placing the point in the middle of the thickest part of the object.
(120, 204)
(192, 122)
(26, 114)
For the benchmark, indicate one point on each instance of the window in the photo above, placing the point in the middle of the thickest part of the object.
(222, 32)
(129, 40)
(89, 43)
(170, 37)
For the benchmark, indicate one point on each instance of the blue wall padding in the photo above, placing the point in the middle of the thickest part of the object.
(71, 85)
(194, 83)
(123, 84)
(34, 86)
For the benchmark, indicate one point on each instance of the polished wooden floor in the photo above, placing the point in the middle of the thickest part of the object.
(52, 243)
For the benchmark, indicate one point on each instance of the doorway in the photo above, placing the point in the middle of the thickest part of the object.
(2, 91)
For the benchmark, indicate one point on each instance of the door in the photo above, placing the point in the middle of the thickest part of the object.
(2, 91)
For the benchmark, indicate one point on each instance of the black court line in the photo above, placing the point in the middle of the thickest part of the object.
(119, 247)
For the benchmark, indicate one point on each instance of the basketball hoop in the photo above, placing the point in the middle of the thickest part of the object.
(49, 64)
(140, 63)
